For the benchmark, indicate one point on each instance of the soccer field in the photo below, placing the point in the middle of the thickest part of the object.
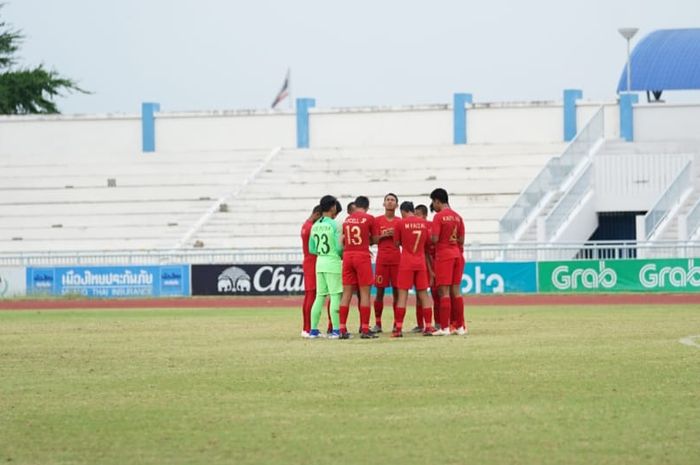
(531, 385)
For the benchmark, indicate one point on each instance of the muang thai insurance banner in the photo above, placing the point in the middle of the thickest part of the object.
(662, 275)
(110, 281)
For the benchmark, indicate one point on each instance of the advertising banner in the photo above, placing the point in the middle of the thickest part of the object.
(478, 278)
(662, 275)
(12, 282)
(499, 278)
(110, 281)
(247, 280)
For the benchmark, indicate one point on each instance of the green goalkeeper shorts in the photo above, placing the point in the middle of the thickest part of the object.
(328, 283)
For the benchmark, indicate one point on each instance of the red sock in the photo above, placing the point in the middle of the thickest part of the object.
(365, 313)
(436, 304)
(419, 316)
(427, 318)
(378, 309)
(344, 311)
(445, 312)
(309, 297)
(399, 315)
(458, 311)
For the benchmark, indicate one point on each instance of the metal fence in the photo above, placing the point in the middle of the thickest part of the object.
(669, 199)
(608, 250)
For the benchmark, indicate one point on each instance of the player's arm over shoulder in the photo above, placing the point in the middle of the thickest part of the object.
(313, 247)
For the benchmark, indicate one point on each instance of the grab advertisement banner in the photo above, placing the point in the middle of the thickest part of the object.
(601, 276)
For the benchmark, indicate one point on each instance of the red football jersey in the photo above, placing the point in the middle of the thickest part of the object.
(388, 253)
(305, 233)
(448, 227)
(430, 245)
(413, 234)
(358, 229)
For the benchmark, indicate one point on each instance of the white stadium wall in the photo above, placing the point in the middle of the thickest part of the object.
(494, 123)
(663, 122)
(371, 126)
(69, 135)
(186, 132)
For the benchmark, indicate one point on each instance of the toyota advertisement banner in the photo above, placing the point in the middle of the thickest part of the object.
(109, 281)
(247, 280)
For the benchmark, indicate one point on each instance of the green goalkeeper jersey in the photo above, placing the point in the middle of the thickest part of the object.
(325, 243)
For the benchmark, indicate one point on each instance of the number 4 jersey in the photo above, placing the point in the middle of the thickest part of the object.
(358, 228)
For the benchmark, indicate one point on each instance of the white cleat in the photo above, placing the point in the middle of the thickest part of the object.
(442, 332)
(460, 332)
(304, 334)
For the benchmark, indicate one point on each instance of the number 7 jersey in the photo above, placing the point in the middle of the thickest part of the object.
(358, 229)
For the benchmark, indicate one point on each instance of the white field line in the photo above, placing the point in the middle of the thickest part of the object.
(692, 341)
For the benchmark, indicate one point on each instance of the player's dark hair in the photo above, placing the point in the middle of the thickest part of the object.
(390, 194)
(351, 207)
(338, 206)
(423, 209)
(316, 210)
(407, 207)
(327, 202)
(440, 195)
(362, 202)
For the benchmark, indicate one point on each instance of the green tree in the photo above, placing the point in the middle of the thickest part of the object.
(27, 90)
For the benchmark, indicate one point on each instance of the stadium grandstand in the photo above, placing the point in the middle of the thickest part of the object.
(526, 176)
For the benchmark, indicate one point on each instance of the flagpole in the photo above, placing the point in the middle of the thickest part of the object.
(289, 87)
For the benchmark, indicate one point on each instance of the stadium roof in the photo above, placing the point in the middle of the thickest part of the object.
(668, 59)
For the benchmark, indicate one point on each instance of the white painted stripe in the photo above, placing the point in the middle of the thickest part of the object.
(692, 341)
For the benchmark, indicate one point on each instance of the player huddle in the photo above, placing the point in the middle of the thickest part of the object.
(412, 252)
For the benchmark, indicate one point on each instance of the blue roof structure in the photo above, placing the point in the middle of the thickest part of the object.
(667, 59)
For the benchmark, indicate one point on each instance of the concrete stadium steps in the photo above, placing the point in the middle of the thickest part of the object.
(91, 209)
(483, 181)
(80, 243)
(116, 194)
(50, 204)
(111, 220)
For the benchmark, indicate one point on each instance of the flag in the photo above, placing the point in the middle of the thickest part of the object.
(283, 93)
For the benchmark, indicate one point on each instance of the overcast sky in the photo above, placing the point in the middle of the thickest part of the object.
(232, 54)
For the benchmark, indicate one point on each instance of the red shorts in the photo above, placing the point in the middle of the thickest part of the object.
(409, 278)
(386, 275)
(309, 276)
(357, 270)
(449, 272)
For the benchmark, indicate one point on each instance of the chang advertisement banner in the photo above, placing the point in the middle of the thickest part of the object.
(247, 280)
(588, 276)
(110, 281)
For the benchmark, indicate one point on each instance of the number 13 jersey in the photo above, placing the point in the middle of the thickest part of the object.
(358, 228)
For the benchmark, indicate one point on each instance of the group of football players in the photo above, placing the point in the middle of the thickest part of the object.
(412, 252)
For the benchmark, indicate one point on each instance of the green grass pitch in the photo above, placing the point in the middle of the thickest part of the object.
(531, 385)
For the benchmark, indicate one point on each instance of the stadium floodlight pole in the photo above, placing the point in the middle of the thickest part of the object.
(628, 33)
